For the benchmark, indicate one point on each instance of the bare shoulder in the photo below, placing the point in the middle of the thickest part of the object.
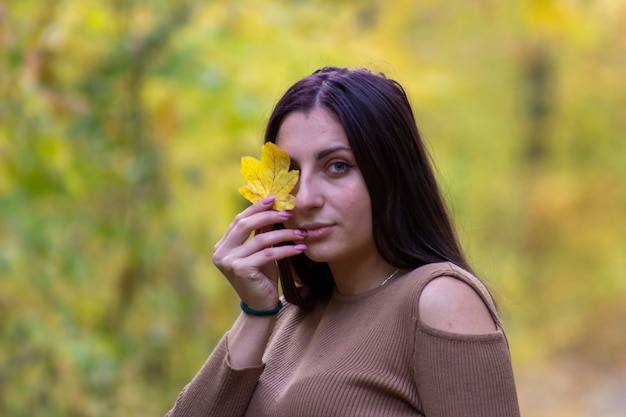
(450, 304)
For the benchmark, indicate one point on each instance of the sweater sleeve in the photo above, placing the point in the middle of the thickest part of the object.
(217, 389)
(464, 375)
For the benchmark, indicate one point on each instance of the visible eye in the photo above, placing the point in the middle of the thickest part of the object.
(338, 167)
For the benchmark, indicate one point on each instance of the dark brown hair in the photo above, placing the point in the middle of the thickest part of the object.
(411, 226)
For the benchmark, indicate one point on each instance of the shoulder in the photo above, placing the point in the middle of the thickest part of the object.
(452, 305)
(448, 298)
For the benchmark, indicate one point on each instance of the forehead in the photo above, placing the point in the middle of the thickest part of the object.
(310, 131)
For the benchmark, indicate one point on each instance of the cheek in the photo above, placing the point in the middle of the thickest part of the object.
(359, 213)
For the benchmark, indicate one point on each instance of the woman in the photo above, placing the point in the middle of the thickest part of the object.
(381, 315)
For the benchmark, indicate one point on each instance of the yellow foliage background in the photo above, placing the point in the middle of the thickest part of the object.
(122, 125)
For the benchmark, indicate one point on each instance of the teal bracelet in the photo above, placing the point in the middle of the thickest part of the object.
(254, 312)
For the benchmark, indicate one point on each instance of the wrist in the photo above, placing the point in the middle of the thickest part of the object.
(265, 312)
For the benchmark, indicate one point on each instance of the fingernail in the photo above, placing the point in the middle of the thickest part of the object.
(300, 232)
(268, 200)
(300, 247)
(285, 214)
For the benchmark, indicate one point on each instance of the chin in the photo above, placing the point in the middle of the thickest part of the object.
(321, 254)
(315, 257)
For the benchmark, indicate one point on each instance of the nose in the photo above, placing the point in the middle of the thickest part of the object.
(308, 193)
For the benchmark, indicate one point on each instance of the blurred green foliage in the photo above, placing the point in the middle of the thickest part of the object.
(121, 128)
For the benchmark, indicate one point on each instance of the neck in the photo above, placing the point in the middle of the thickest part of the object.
(353, 278)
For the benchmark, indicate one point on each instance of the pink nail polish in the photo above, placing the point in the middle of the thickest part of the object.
(300, 247)
(285, 214)
(268, 200)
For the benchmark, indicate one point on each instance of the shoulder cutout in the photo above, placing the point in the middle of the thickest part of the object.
(451, 305)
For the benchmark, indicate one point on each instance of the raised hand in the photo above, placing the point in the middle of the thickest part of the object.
(247, 253)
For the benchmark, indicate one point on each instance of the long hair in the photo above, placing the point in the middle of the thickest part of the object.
(410, 223)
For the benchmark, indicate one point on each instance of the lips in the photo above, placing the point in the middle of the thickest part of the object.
(317, 230)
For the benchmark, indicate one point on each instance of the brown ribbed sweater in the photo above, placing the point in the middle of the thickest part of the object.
(363, 355)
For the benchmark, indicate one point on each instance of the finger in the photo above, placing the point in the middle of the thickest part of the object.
(226, 254)
(265, 240)
(277, 237)
(263, 205)
(243, 226)
(248, 268)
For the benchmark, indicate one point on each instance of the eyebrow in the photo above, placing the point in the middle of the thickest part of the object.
(325, 152)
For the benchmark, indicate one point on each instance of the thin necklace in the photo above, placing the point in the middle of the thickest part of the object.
(393, 274)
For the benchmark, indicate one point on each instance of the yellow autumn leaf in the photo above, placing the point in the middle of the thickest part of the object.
(269, 176)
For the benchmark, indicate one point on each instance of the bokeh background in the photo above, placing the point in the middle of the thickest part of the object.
(122, 124)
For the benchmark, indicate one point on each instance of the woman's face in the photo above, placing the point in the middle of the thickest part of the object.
(332, 201)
